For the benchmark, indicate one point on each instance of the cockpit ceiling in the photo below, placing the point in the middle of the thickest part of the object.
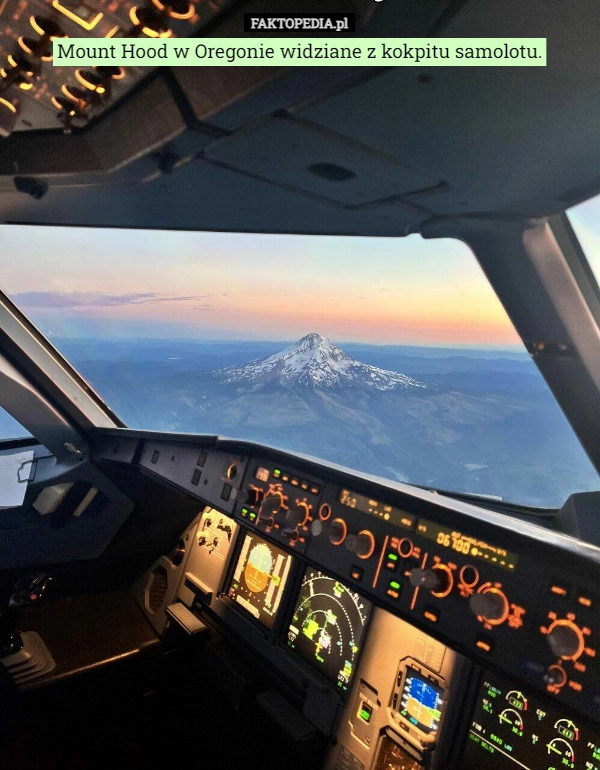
(334, 150)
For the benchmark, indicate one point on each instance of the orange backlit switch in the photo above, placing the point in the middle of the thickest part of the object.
(557, 589)
(484, 644)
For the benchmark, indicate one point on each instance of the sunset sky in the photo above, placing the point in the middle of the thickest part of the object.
(75, 282)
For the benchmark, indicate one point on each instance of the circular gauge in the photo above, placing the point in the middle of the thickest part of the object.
(517, 699)
(561, 748)
(567, 729)
(512, 718)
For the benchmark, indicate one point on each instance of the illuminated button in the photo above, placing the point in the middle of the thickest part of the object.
(155, 456)
(304, 485)
(201, 459)
(324, 511)
(405, 548)
(555, 676)
(394, 589)
(365, 712)
(285, 477)
(315, 489)
(277, 473)
(432, 614)
(559, 589)
(294, 482)
(484, 644)
(196, 477)
(356, 573)
(226, 492)
(469, 575)
(391, 562)
(585, 600)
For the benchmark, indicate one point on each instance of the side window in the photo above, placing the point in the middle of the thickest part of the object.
(10, 428)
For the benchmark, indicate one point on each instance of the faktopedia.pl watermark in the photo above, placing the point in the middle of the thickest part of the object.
(336, 23)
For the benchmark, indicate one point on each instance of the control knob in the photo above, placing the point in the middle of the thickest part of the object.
(491, 605)
(335, 529)
(436, 579)
(297, 515)
(565, 640)
(362, 544)
(555, 676)
(272, 503)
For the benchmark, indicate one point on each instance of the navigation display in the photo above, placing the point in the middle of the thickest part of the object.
(258, 579)
(327, 626)
(468, 545)
(514, 729)
(421, 701)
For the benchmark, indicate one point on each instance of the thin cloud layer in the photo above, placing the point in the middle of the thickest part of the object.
(90, 299)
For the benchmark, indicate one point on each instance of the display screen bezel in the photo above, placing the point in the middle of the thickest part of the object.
(541, 700)
(410, 669)
(303, 658)
(267, 623)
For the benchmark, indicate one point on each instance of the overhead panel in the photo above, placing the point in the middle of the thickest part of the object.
(503, 137)
(296, 155)
(36, 95)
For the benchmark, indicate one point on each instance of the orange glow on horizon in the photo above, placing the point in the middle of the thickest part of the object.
(243, 286)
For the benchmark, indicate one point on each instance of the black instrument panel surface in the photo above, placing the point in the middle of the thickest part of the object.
(505, 592)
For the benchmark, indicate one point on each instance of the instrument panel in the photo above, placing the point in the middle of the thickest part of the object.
(501, 591)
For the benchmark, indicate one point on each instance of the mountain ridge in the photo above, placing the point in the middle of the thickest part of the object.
(316, 362)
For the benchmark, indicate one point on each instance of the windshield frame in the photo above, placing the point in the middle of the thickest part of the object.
(44, 364)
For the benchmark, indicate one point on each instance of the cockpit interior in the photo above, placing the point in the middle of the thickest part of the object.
(300, 396)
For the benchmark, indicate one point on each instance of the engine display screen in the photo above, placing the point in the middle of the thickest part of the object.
(258, 579)
(514, 729)
(376, 508)
(468, 545)
(327, 626)
(421, 701)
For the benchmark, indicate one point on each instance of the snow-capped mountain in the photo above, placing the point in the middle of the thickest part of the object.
(316, 362)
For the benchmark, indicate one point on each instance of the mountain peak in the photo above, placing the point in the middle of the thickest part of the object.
(312, 348)
(314, 361)
(313, 339)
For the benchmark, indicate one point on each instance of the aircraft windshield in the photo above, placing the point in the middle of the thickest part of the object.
(389, 356)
